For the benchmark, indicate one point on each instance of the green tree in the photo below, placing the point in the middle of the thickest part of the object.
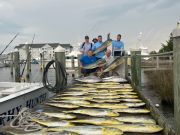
(153, 52)
(167, 47)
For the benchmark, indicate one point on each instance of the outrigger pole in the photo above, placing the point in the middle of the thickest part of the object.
(9, 43)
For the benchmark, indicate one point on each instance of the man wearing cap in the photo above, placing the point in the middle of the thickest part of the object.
(86, 46)
(97, 45)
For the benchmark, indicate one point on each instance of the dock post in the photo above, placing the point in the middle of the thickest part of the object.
(27, 61)
(72, 62)
(176, 74)
(79, 68)
(60, 57)
(126, 66)
(42, 60)
(136, 69)
(157, 62)
(11, 55)
(17, 66)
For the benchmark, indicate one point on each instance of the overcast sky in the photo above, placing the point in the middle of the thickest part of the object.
(68, 21)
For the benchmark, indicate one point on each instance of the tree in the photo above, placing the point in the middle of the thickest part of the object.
(167, 47)
(153, 52)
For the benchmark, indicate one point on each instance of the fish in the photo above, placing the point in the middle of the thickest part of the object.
(76, 102)
(59, 115)
(98, 63)
(128, 96)
(107, 105)
(103, 46)
(98, 121)
(138, 128)
(48, 123)
(90, 130)
(105, 93)
(122, 90)
(105, 100)
(73, 93)
(82, 88)
(94, 112)
(126, 93)
(134, 104)
(136, 119)
(106, 83)
(132, 110)
(118, 61)
(130, 100)
(62, 105)
(106, 97)
(74, 98)
(114, 79)
(89, 79)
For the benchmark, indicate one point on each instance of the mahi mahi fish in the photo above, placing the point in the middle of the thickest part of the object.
(130, 100)
(76, 102)
(139, 128)
(128, 96)
(132, 110)
(114, 79)
(62, 105)
(73, 98)
(136, 119)
(134, 104)
(106, 97)
(118, 61)
(74, 93)
(98, 63)
(60, 115)
(106, 100)
(103, 46)
(95, 112)
(48, 123)
(107, 105)
(98, 121)
(89, 79)
(82, 88)
(90, 130)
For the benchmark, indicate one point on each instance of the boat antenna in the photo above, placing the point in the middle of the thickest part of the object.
(9, 43)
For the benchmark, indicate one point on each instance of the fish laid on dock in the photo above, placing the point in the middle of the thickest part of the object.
(114, 79)
(89, 79)
(82, 88)
(103, 46)
(107, 105)
(106, 100)
(90, 130)
(106, 97)
(128, 96)
(139, 128)
(94, 112)
(136, 119)
(48, 123)
(73, 98)
(73, 93)
(134, 104)
(60, 115)
(76, 102)
(131, 100)
(132, 110)
(62, 105)
(98, 121)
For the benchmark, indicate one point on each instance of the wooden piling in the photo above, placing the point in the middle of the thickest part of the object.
(176, 72)
(11, 64)
(79, 65)
(72, 62)
(126, 66)
(17, 66)
(27, 61)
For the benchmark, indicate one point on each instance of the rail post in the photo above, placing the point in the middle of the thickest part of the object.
(60, 57)
(17, 66)
(136, 69)
(157, 62)
(176, 72)
(11, 55)
(79, 68)
(126, 66)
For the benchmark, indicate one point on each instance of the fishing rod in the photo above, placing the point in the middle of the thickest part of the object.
(9, 43)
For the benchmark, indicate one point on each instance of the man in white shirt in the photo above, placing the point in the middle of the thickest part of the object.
(108, 57)
(86, 46)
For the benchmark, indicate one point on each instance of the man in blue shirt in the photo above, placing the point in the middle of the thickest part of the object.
(86, 60)
(117, 44)
(101, 54)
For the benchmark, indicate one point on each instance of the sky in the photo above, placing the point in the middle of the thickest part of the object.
(68, 21)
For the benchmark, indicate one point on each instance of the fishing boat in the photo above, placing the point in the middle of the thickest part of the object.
(15, 96)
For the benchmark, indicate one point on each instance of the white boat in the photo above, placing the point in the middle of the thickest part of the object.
(2, 64)
(15, 96)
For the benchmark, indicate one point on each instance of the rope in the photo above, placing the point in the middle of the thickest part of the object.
(59, 72)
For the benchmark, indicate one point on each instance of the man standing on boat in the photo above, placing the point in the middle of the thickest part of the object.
(97, 45)
(86, 46)
(117, 46)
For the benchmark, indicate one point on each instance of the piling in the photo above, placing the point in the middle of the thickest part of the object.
(126, 66)
(72, 62)
(79, 65)
(17, 66)
(136, 69)
(60, 57)
(28, 61)
(11, 55)
(42, 60)
(176, 72)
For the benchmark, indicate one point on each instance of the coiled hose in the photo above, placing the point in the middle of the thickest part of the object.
(60, 72)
